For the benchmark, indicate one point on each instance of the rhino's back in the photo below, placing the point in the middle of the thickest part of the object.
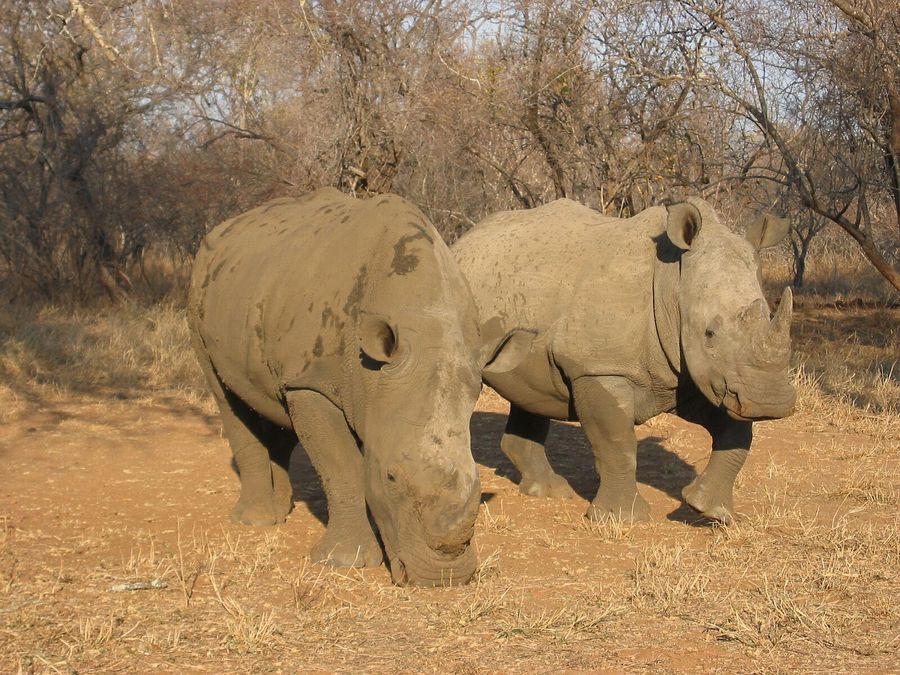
(523, 265)
(581, 279)
(276, 289)
(557, 260)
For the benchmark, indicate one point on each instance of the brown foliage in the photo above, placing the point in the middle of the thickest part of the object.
(138, 125)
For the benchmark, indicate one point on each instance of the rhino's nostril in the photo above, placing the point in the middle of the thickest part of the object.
(453, 550)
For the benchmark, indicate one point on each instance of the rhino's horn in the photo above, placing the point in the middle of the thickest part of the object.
(780, 327)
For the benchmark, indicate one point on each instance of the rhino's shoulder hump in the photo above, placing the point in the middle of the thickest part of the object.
(397, 217)
(568, 209)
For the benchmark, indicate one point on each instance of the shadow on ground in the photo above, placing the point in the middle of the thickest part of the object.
(571, 456)
(568, 452)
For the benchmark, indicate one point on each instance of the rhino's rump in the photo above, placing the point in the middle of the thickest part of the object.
(274, 292)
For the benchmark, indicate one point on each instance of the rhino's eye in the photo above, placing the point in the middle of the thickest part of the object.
(391, 478)
(710, 334)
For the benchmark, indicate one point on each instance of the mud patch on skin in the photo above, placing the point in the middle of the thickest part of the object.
(351, 307)
(216, 270)
(327, 316)
(403, 262)
(232, 224)
(319, 347)
(421, 229)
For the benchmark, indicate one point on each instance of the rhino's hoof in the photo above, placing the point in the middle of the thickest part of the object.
(257, 515)
(282, 509)
(711, 503)
(555, 487)
(630, 510)
(347, 553)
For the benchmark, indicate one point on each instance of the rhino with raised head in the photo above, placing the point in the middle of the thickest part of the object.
(347, 324)
(662, 312)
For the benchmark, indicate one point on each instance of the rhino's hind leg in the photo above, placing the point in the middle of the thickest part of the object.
(251, 439)
(332, 449)
(523, 442)
(712, 492)
(605, 408)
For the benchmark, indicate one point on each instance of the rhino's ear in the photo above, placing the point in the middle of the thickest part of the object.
(377, 338)
(683, 224)
(505, 353)
(767, 230)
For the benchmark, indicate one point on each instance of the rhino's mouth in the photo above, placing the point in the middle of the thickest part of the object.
(732, 404)
(418, 563)
(752, 411)
(434, 570)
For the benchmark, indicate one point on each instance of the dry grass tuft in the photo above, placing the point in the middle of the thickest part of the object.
(848, 374)
(563, 624)
(662, 580)
(122, 352)
(499, 522)
(866, 485)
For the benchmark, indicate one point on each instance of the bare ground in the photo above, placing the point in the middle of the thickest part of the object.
(103, 491)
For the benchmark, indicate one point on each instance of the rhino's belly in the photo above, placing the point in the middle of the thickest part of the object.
(253, 385)
(536, 385)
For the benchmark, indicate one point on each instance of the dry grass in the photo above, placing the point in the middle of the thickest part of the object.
(848, 369)
(125, 352)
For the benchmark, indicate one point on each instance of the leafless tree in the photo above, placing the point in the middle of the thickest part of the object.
(832, 129)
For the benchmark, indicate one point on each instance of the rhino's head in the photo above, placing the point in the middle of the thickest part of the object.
(736, 354)
(419, 379)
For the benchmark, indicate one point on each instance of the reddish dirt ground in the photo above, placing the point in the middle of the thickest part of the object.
(100, 492)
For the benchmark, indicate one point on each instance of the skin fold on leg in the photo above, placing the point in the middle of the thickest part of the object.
(333, 451)
(523, 442)
(605, 407)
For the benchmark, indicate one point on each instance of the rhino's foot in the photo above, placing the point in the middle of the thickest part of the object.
(553, 486)
(341, 550)
(711, 500)
(258, 513)
(281, 507)
(626, 507)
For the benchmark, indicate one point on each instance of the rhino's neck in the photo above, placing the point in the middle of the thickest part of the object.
(666, 314)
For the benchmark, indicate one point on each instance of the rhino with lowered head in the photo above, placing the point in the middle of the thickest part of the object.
(662, 312)
(348, 325)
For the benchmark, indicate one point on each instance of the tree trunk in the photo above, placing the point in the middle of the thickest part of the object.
(868, 248)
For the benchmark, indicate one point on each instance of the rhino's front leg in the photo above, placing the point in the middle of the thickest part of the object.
(712, 492)
(605, 407)
(523, 442)
(322, 429)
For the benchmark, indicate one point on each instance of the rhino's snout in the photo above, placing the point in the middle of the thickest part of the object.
(771, 402)
(426, 518)
(449, 524)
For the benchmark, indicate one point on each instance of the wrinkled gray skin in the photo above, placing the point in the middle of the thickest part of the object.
(348, 325)
(662, 312)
